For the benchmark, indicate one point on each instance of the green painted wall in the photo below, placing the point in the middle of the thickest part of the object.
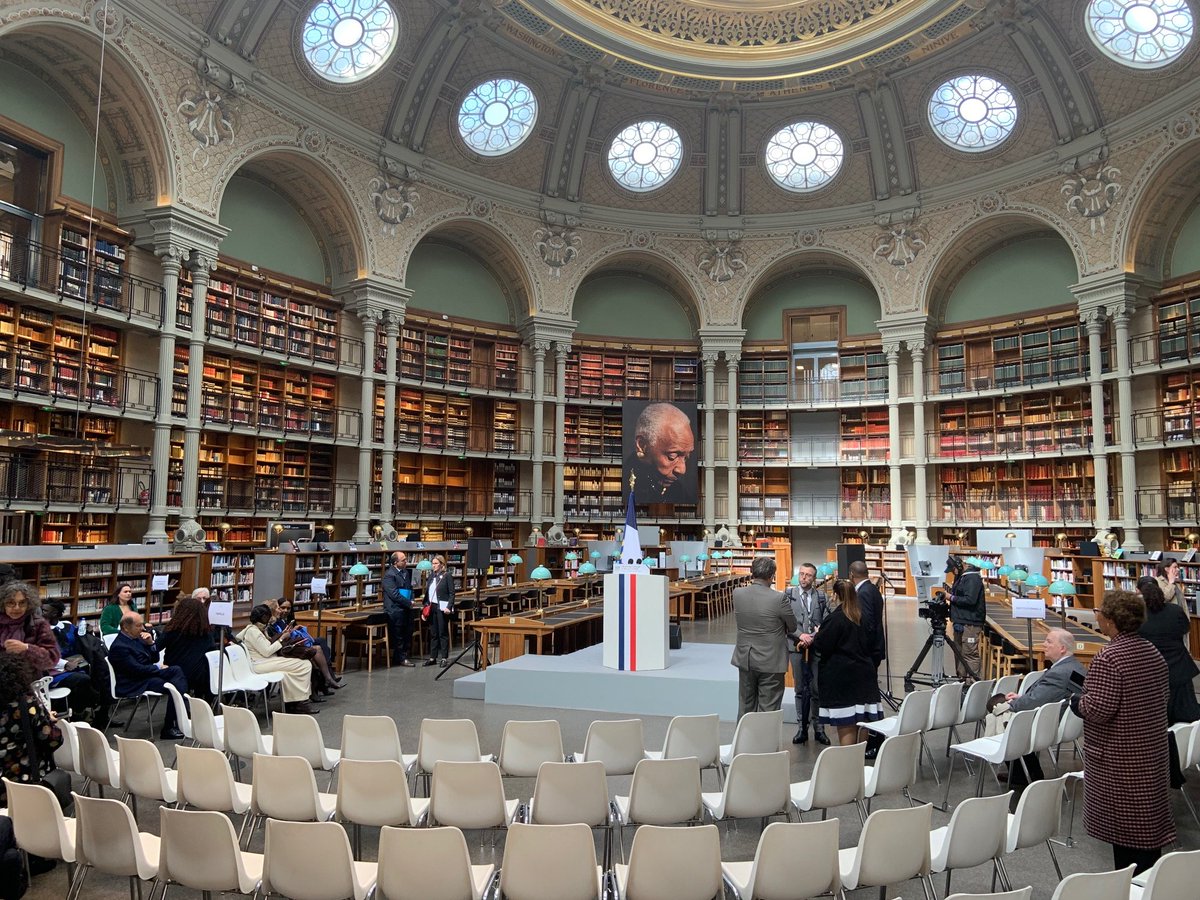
(265, 229)
(630, 307)
(1023, 276)
(1185, 256)
(763, 319)
(448, 280)
(31, 102)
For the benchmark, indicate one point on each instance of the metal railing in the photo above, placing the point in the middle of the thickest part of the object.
(1018, 374)
(218, 408)
(479, 376)
(70, 479)
(988, 508)
(61, 379)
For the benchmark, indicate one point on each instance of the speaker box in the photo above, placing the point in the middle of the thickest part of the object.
(675, 637)
(479, 553)
(848, 553)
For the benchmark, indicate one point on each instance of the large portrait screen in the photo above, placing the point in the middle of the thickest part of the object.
(659, 444)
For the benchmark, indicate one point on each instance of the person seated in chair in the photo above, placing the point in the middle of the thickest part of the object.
(134, 659)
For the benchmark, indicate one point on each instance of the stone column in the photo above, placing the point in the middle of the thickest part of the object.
(710, 439)
(1132, 539)
(540, 348)
(892, 352)
(731, 374)
(1093, 322)
(190, 534)
(370, 318)
(170, 258)
(920, 447)
(391, 325)
(561, 350)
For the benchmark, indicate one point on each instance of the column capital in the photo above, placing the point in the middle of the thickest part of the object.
(201, 264)
(540, 348)
(548, 328)
(891, 349)
(732, 360)
(1107, 292)
(909, 330)
(382, 298)
(709, 358)
(562, 349)
(725, 340)
(168, 231)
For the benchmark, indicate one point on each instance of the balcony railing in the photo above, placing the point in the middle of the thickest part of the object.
(990, 509)
(117, 391)
(222, 408)
(70, 479)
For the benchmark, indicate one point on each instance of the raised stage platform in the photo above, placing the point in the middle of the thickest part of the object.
(699, 681)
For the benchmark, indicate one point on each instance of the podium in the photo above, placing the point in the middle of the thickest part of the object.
(636, 620)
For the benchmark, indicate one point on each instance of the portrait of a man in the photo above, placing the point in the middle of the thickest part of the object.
(660, 450)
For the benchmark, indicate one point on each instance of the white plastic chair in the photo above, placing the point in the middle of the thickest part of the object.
(182, 717)
(698, 736)
(756, 787)
(572, 793)
(913, 715)
(975, 835)
(300, 735)
(1097, 885)
(1070, 730)
(618, 743)
(312, 861)
(974, 708)
(199, 851)
(1029, 679)
(108, 840)
(524, 746)
(205, 783)
(98, 762)
(837, 779)
(429, 864)
(1008, 684)
(944, 710)
(663, 792)
(895, 768)
(283, 787)
(66, 757)
(39, 825)
(248, 681)
(108, 639)
(1174, 875)
(375, 793)
(1045, 727)
(756, 732)
(469, 795)
(1187, 744)
(449, 740)
(891, 849)
(208, 730)
(150, 698)
(243, 737)
(1037, 820)
(550, 862)
(671, 864)
(48, 694)
(143, 775)
(374, 738)
(1011, 745)
(793, 859)
(1020, 894)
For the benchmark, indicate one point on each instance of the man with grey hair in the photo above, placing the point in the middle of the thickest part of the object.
(764, 620)
(663, 442)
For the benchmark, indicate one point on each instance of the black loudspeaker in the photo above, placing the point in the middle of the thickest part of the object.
(848, 553)
(479, 553)
(675, 637)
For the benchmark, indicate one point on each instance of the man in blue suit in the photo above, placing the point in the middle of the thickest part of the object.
(134, 659)
(398, 604)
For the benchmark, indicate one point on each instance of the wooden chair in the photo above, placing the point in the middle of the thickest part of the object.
(368, 637)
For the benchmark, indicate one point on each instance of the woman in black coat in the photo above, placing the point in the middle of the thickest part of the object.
(439, 603)
(1166, 627)
(185, 639)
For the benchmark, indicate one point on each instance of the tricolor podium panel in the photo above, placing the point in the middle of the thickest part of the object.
(636, 621)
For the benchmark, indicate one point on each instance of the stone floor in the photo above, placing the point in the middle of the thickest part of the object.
(411, 694)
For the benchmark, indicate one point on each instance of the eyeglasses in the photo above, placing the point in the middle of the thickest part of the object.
(15, 601)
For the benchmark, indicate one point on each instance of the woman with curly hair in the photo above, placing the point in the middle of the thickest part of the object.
(22, 715)
(23, 631)
(185, 639)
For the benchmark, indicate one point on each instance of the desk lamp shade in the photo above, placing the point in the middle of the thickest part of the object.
(571, 555)
(424, 565)
(594, 555)
(541, 573)
(515, 560)
(685, 559)
(1062, 588)
(359, 570)
(587, 569)
(1019, 575)
(1037, 580)
(616, 554)
(986, 564)
(795, 582)
(1004, 571)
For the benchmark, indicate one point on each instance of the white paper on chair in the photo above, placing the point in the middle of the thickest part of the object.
(1028, 608)
(159, 582)
(220, 613)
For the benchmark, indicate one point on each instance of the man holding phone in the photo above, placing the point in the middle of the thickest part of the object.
(1063, 678)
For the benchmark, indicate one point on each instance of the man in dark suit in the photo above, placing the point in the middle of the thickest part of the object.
(398, 604)
(871, 603)
(809, 606)
(1059, 649)
(134, 659)
(764, 621)
(439, 597)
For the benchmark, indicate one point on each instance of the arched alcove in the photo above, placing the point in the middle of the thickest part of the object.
(766, 311)
(1028, 273)
(445, 278)
(615, 303)
(1184, 256)
(266, 228)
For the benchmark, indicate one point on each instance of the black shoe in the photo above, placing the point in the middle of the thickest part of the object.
(443, 663)
(302, 707)
(871, 753)
(800, 737)
(170, 734)
(326, 692)
(407, 663)
(821, 737)
(430, 662)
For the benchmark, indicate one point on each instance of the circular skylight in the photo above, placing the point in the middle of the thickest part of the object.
(645, 155)
(804, 156)
(347, 40)
(1144, 34)
(973, 112)
(497, 116)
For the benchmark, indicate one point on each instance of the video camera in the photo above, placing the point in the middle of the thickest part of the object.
(936, 609)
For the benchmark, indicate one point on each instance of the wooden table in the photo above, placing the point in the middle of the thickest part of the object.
(1087, 642)
(335, 621)
(563, 627)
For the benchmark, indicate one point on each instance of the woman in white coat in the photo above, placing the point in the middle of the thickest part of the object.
(264, 657)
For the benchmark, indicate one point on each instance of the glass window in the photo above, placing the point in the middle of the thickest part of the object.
(804, 156)
(645, 155)
(973, 112)
(1145, 34)
(346, 40)
(497, 116)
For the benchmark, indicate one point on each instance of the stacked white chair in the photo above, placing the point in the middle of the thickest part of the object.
(375, 793)
(39, 825)
(143, 775)
(974, 709)
(1037, 820)
(793, 859)
(98, 762)
(756, 787)
(838, 778)
(243, 737)
(1008, 747)
(756, 732)
(284, 788)
(205, 783)
(200, 851)
(1096, 885)
(448, 740)
(1020, 894)
(698, 736)
(887, 853)
(150, 698)
(573, 793)
(374, 738)
(470, 795)
(663, 792)
(248, 679)
(524, 746)
(618, 743)
(895, 769)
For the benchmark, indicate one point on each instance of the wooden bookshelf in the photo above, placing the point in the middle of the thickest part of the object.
(764, 495)
(612, 374)
(1178, 321)
(464, 356)
(892, 563)
(1180, 405)
(592, 432)
(261, 395)
(864, 434)
(866, 493)
(262, 475)
(763, 378)
(863, 374)
(780, 551)
(27, 419)
(1036, 423)
(592, 493)
(1025, 490)
(433, 420)
(60, 357)
(91, 260)
(763, 435)
(435, 486)
(1181, 481)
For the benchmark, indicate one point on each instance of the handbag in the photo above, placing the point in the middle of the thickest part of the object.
(425, 611)
(57, 780)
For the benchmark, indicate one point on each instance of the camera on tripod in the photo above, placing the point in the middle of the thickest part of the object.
(936, 609)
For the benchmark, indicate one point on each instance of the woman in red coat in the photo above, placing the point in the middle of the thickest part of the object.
(1124, 712)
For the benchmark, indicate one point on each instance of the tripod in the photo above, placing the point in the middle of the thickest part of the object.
(885, 693)
(476, 660)
(937, 642)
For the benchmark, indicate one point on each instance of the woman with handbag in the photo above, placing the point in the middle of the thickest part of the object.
(301, 645)
(264, 651)
(439, 604)
(28, 735)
